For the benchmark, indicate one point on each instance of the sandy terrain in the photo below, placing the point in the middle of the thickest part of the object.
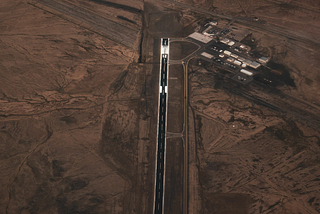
(78, 109)
(66, 77)
(249, 154)
(255, 149)
(293, 19)
(253, 159)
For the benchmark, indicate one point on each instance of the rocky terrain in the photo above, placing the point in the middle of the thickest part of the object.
(69, 106)
(255, 149)
(251, 159)
(78, 109)
(257, 146)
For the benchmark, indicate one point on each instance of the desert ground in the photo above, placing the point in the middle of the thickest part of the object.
(246, 155)
(78, 108)
(70, 83)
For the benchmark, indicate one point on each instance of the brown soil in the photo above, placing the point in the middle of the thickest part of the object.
(180, 50)
(64, 80)
(174, 176)
(175, 99)
(249, 152)
(78, 113)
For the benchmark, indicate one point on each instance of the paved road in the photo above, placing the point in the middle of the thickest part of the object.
(185, 141)
(185, 61)
(161, 145)
(186, 135)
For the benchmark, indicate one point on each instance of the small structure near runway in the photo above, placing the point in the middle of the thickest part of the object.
(242, 78)
(207, 55)
(254, 65)
(200, 37)
(264, 59)
(249, 73)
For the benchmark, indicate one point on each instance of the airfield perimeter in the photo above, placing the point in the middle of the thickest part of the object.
(79, 99)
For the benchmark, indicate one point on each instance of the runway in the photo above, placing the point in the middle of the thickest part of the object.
(162, 119)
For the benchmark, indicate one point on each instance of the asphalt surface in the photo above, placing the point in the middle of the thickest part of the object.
(186, 144)
(160, 164)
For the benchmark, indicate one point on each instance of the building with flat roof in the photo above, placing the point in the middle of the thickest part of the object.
(230, 59)
(263, 59)
(224, 40)
(234, 55)
(231, 43)
(213, 23)
(241, 59)
(236, 62)
(209, 34)
(247, 62)
(206, 30)
(255, 64)
(200, 37)
(227, 52)
(207, 55)
(246, 72)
